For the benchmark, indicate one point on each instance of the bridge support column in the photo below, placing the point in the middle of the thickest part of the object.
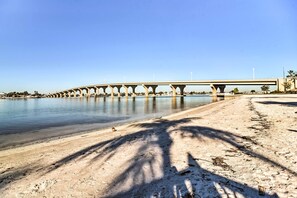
(133, 91)
(96, 94)
(182, 89)
(74, 93)
(126, 90)
(80, 93)
(154, 89)
(104, 91)
(88, 94)
(111, 91)
(222, 88)
(174, 87)
(69, 94)
(146, 88)
(119, 90)
(215, 89)
(64, 95)
(280, 85)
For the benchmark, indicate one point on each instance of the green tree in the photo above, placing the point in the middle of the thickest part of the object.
(292, 75)
(265, 88)
(235, 90)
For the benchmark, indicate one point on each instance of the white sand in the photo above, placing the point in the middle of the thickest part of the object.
(229, 149)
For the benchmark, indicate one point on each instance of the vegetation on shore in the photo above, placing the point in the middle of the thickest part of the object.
(24, 94)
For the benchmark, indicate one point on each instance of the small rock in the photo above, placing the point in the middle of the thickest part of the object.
(113, 129)
(261, 190)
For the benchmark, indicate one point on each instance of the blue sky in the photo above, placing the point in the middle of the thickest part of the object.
(49, 45)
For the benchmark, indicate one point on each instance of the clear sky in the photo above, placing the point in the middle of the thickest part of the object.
(50, 45)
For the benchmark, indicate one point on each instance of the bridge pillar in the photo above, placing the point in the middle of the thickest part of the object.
(216, 87)
(182, 89)
(126, 90)
(146, 89)
(111, 91)
(280, 84)
(222, 88)
(154, 87)
(80, 93)
(173, 87)
(119, 90)
(64, 95)
(133, 90)
(88, 92)
(104, 90)
(74, 93)
(94, 88)
(69, 94)
(96, 92)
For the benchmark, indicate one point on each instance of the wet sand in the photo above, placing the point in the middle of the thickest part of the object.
(245, 147)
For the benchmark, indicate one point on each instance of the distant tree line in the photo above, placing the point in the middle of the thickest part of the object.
(23, 94)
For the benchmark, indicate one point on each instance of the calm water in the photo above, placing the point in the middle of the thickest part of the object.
(23, 121)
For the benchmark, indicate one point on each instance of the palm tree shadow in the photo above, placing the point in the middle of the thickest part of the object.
(110, 147)
(292, 130)
(13, 174)
(230, 138)
(194, 181)
(151, 173)
(288, 104)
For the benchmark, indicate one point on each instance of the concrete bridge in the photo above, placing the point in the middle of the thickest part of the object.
(216, 85)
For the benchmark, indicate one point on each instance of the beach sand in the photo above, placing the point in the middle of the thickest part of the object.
(244, 147)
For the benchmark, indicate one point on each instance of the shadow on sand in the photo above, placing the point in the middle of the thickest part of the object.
(13, 174)
(141, 172)
(289, 104)
(292, 130)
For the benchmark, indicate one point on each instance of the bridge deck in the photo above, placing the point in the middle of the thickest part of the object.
(187, 83)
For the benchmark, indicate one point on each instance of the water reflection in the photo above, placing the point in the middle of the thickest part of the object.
(173, 103)
(18, 116)
(133, 105)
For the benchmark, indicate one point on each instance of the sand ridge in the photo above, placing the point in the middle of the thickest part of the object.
(245, 147)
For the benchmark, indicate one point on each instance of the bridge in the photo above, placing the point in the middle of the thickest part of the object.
(216, 85)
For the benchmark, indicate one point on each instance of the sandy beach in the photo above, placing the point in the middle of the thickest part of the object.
(244, 147)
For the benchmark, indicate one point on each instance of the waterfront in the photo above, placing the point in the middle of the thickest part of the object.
(24, 121)
(176, 154)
